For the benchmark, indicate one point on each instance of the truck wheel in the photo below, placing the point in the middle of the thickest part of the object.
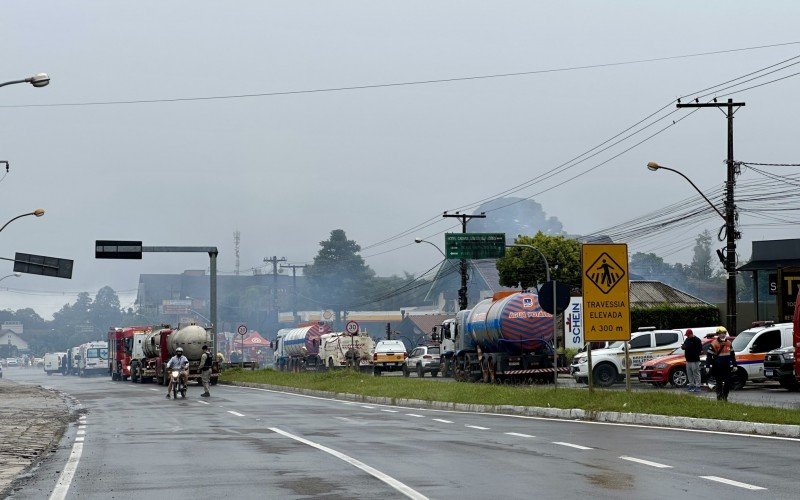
(213, 381)
(434, 373)
(376, 371)
(420, 371)
(678, 378)
(790, 384)
(330, 363)
(605, 375)
(406, 373)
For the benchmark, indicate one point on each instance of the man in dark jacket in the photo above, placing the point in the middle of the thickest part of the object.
(692, 348)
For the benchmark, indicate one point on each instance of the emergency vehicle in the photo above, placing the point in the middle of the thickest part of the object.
(752, 345)
(120, 347)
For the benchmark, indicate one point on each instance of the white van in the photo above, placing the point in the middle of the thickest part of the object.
(93, 358)
(753, 344)
(52, 362)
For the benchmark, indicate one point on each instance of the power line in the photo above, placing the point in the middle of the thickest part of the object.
(399, 84)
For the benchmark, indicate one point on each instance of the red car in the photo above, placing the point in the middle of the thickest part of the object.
(670, 368)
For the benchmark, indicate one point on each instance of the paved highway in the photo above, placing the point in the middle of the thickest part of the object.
(248, 443)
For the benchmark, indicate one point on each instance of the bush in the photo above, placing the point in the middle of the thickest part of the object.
(666, 316)
(568, 353)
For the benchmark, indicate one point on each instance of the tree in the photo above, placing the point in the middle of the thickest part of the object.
(701, 267)
(105, 311)
(339, 277)
(524, 267)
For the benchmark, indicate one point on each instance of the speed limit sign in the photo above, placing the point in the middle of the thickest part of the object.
(351, 327)
(241, 329)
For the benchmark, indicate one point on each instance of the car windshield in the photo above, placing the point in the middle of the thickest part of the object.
(741, 340)
(616, 345)
(433, 350)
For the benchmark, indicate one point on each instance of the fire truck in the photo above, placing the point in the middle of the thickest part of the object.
(120, 350)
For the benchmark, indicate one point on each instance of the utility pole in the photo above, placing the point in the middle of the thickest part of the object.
(462, 292)
(730, 208)
(274, 261)
(294, 287)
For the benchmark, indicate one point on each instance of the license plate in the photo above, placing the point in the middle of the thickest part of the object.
(643, 375)
(768, 373)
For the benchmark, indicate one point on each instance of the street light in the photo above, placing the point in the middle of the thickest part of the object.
(17, 275)
(37, 80)
(38, 213)
(555, 337)
(420, 240)
(730, 234)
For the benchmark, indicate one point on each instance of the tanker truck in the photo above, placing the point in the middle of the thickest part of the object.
(298, 348)
(340, 349)
(507, 337)
(159, 345)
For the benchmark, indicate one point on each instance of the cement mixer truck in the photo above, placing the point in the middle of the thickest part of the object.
(298, 348)
(152, 350)
(507, 337)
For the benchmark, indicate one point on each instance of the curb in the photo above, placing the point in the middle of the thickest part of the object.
(646, 419)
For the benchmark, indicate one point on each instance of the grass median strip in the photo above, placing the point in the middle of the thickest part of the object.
(657, 403)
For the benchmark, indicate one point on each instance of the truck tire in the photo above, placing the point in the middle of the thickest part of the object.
(604, 375)
(420, 371)
(376, 371)
(330, 363)
(213, 381)
(434, 373)
(790, 384)
(406, 373)
(678, 377)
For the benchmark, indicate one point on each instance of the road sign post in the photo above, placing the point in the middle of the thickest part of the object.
(606, 296)
(242, 330)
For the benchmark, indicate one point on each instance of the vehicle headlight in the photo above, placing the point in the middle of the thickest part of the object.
(580, 361)
(128, 367)
(175, 373)
(660, 366)
(788, 357)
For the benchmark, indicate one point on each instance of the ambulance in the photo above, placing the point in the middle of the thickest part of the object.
(752, 345)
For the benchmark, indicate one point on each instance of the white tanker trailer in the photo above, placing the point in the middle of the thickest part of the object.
(159, 345)
(298, 348)
(340, 349)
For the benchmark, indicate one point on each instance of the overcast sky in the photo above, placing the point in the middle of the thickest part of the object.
(287, 169)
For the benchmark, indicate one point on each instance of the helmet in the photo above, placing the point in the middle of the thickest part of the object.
(179, 350)
(205, 347)
(721, 329)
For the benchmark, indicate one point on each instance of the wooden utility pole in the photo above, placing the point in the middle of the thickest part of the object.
(294, 268)
(274, 261)
(462, 292)
(730, 208)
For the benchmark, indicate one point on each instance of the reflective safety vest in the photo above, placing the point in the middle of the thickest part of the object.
(208, 361)
(721, 348)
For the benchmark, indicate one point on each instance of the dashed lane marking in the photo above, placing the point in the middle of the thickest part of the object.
(390, 411)
(394, 483)
(203, 402)
(368, 407)
(646, 462)
(477, 427)
(152, 389)
(519, 434)
(443, 420)
(415, 415)
(733, 483)
(235, 413)
(576, 446)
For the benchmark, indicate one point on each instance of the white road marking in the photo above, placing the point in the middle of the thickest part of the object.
(477, 427)
(235, 413)
(153, 389)
(203, 402)
(80, 432)
(390, 411)
(546, 419)
(733, 483)
(443, 421)
(415, 415)
(572, 445)
(646, 462)
(394, 483)
(79, 439)
(65, 479)
(519, 434)
(82, 426)
(368, 407)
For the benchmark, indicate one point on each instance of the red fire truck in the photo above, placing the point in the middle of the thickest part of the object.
(120, 348)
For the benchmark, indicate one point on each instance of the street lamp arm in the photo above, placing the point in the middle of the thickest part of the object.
(38, 213)
(655, 166)
(12, 82)
(420, 240)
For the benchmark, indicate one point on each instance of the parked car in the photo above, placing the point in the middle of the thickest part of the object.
(12, 362)
(389, 356)
(423, 359)
(779, 365)
(752, 345)
(671, 368)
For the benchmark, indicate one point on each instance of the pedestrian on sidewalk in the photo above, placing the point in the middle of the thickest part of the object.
(206, 360)
(692, 347)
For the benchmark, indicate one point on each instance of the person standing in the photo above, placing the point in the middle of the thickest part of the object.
(206, 361)
(692, 347)
(724, 361)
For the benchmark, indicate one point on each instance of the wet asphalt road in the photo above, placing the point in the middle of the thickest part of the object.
(247, 443)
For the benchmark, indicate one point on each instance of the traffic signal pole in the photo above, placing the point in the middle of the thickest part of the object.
(462, 292)
(730, 209)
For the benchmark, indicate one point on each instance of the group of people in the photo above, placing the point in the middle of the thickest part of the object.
(181, 363)
(720, 357)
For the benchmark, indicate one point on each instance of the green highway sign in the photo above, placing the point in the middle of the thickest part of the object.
(475, 245)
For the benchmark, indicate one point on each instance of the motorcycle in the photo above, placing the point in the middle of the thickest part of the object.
(177, 384)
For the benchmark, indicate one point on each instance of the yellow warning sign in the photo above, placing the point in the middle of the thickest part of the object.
(606, 292)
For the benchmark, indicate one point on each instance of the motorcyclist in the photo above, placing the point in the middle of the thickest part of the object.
(177, 362)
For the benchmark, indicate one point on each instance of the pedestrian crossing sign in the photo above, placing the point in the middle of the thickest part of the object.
(606, 292)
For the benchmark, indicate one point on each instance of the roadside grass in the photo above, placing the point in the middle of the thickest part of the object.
(658, 403)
